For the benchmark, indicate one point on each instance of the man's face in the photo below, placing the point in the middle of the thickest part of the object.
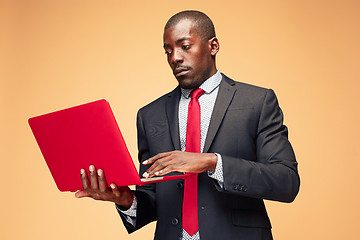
(188, 55)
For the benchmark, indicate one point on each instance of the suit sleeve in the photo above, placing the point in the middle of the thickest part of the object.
(145, 195)
(273, 175)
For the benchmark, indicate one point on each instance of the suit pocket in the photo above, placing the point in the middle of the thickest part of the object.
(250, 218)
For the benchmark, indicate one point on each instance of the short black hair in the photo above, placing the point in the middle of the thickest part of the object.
(205, 27)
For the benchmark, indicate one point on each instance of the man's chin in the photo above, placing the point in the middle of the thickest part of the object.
(186, 83)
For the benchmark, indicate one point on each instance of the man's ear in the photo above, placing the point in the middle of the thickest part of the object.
(214, 46)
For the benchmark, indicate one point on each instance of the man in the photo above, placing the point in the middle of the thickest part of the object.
(242, 154)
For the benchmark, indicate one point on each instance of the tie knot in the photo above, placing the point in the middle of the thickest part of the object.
(196, 93)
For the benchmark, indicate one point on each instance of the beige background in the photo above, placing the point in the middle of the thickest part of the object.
(57, 54)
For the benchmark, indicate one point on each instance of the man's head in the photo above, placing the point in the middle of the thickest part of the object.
(191, 45)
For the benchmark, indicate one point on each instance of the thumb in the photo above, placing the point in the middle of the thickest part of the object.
(81, 194)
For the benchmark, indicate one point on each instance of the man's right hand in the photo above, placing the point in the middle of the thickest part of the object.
(98, 189)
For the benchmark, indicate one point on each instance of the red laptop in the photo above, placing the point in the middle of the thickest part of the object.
(79, 136)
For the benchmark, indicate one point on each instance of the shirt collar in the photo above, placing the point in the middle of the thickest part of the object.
(208, 85)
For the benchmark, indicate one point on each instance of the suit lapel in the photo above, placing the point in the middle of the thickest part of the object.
(172, 112)
(224, 97)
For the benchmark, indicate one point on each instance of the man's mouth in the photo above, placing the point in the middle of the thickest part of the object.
(179, 71)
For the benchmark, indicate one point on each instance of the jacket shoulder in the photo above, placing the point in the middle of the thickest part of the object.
(246, 93)
(243, 86)
(161, 101)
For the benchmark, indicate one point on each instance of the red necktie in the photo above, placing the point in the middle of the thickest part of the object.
(193, 144)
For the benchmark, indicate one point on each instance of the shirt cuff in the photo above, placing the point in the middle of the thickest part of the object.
(130, 214)
(218, 173)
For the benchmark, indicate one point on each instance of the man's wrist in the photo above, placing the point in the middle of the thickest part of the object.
(218, 173)
(125, 205)
(212, 160)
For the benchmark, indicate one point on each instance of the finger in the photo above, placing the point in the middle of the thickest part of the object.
(165, 170)
(115, 190)
(172, 163)
(156, 158)
(84, 179)
(93, 177)
(102, 181)
(82, 193)
(157, 168)
(150, 160)
(150, 171)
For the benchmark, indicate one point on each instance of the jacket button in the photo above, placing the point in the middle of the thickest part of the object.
(180, 185)
(174, 221)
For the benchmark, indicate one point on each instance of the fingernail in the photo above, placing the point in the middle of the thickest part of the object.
(92, 168)
(145, 162)
(99, 172)
(145, 175)
(82, 171)
(112, 186)
(157, 173)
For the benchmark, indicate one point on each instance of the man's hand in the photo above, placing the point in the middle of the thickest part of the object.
(98, 189)
(178, 161)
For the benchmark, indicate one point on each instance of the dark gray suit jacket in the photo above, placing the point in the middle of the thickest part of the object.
(247, 129)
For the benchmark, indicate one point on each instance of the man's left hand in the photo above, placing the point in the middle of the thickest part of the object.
(178, 161)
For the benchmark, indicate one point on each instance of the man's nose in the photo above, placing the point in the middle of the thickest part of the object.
(176, 57)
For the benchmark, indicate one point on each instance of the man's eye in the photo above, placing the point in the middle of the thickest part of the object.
(167, 52)
(185, 47)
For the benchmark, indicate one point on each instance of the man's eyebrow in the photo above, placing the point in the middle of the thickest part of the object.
(177, 41)
(182, 39)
